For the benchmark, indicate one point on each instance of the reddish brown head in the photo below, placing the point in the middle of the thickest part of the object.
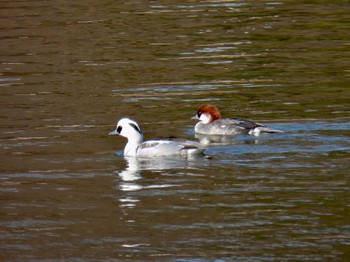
(209, 112)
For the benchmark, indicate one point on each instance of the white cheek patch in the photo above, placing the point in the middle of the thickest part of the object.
(205, 118)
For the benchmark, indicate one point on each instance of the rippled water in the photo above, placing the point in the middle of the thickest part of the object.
(70, 70)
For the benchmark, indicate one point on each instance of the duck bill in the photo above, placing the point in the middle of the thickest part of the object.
(115, 132)
(195, 117)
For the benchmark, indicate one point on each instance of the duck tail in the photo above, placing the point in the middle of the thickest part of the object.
(262, 129)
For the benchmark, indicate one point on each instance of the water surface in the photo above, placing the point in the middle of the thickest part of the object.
(70, 70)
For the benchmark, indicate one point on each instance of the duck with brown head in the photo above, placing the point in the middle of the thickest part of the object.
(211, 123)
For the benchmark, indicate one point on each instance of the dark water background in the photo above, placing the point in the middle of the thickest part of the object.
(71, 69)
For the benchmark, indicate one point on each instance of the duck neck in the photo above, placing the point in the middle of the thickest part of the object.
(132, 145)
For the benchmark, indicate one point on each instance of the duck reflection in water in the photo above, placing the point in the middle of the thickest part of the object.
(131, 175)
(214, 140)
(131, 179)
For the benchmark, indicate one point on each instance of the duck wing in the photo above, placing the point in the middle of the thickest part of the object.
(158, 148)
(242, 122)
(189, 147)
(169, 147)
(252, 126)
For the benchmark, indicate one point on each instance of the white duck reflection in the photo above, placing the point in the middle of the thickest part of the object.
(131, 178)
(135, 165)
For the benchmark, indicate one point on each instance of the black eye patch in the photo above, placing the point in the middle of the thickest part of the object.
(119, 129)
(136, 128)
(199, 114)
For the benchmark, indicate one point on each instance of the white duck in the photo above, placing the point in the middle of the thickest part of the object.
(136, 147)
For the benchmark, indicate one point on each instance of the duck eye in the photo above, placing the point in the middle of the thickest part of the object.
(119, 129)
(199, 114)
